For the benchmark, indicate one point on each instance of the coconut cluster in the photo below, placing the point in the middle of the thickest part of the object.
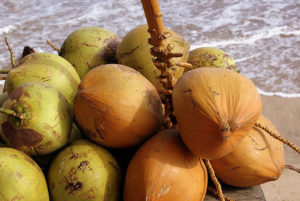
(87, 124)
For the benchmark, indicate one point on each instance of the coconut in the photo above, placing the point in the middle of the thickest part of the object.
(3, 98)
(211, 57)
(257, 159)
(84, 171)
(48, 68)
(20, 177)
(90, 47)
(47, 119)
(215, 109)
(117, 107)
(163, 169)
(134, 51)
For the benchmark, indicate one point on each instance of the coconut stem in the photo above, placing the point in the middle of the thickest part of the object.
(215, 192)
(292, 168)
(278, 137)
(215, 180)
(12, 57)
(20, 116)
(161, 51)
(53, 46)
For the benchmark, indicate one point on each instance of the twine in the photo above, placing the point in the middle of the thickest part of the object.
(278, 137)
(215, 192)
(213, 177)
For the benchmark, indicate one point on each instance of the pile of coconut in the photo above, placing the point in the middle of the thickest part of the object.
(106, 119)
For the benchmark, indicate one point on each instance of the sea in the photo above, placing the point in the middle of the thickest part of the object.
(263, 36)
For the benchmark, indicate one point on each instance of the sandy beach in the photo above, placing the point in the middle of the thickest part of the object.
(285, 115)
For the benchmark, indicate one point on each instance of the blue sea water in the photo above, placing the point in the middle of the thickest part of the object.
(263, 36)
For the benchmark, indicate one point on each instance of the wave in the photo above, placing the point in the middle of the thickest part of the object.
(280, 94)
(249, 40)
(7, 29)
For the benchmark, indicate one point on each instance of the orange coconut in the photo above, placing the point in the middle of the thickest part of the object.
(163, 169)
(117, 107)
(259, 158)
(215, 108)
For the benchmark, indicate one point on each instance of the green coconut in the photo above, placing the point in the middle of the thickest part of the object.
(20, 177)
(134, 51)
(90, 47)
(48, 68)
(3, 98)
(84, 171)
(211, 57)
(47, 119)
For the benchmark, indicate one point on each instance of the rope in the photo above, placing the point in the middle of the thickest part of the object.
(215, 192)
(278, 137)
(213, 177)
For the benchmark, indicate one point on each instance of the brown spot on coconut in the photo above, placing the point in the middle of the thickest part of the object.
(21, 137)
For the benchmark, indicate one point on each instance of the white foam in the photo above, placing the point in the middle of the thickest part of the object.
(7, 29)
(246, 58)
(280, 94)
(250, 40)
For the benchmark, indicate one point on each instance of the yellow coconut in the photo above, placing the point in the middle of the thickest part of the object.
(163, 169)
(215, 108)
(257, 159)
(117, 107)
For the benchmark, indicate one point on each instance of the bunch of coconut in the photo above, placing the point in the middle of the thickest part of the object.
(119, 106)
(118, 93)
(37, 120)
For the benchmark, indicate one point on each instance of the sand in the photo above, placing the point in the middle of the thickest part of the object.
(285, 115)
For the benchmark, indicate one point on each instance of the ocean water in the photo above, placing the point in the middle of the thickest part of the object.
(262, 36)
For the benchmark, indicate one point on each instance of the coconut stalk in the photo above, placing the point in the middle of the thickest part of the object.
(162, 52)
(53, 46)
(12, 57)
